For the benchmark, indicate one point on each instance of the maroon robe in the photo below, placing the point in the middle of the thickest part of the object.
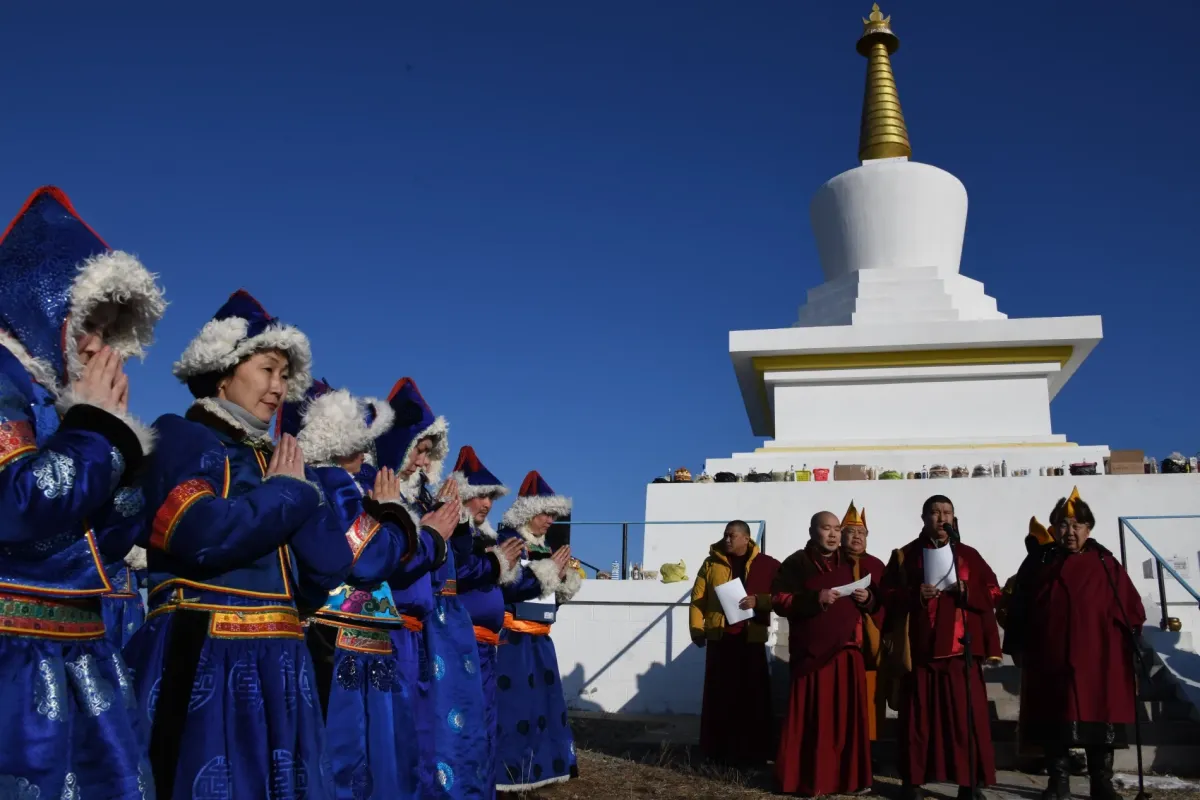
(872, 630)
(1079, 689)
(933, 693)
(737, 722)
(825, 746)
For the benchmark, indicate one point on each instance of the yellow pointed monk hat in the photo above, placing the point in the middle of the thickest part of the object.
(1069, 508)
(854, 517)
(1038, 532)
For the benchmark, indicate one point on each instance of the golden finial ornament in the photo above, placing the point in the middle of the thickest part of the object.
(882, 133)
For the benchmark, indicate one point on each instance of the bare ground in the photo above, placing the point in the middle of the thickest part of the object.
(628, 759)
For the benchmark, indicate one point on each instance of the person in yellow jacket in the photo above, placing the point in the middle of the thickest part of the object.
(737, 725)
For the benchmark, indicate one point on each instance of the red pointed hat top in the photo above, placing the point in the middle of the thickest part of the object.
(535, 486)
(467, 460)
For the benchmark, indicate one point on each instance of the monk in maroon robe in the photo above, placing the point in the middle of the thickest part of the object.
(924, 647)
(854, 543)
(1072, 621)
(737, 722)
(825, 746)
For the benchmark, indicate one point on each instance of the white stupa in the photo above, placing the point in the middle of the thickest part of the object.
(897, 360)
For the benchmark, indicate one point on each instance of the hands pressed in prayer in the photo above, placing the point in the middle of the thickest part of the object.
(561, 557)
(445, 519)
(387, 486)
(288, 458)
(103, 382)
(510, 551)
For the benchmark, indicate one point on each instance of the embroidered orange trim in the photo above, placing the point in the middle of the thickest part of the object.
(45, 619)
(525, 626)
(486, 636)
(284, 624)
(362, 640)
(178, 501)
(412, 623)
(449, 588)
(360, 533)
(16, 440)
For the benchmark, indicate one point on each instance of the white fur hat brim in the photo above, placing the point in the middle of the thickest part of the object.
(467, 491)
(222, 344)
(333, 426)
(524, 509)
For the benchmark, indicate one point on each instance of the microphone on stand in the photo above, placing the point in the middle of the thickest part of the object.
(968, 660)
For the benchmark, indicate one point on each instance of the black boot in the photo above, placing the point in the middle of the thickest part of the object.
(969, 793)
(1059, 786)
(1100, 772)
(911, 792)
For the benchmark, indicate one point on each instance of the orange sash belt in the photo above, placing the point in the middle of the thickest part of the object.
(449, 588)
(486, 636)
(412, 623)
(525, 626)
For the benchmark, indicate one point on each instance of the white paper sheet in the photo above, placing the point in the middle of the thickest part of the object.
(730, 594)
(939, 568)
(547, 599)
(848, 589)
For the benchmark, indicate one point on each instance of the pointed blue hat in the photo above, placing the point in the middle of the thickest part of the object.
(240, 328)
(414, 421)
(54, 271)
(535, 497)
(474, 479)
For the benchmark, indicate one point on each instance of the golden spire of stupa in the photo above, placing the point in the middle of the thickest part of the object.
(883, 133)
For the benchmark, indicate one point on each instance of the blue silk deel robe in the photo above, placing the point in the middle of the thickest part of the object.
(367, 654)
(68, 714)
(536, 746)
(221, 668)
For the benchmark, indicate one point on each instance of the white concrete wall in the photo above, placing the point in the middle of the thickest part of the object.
(912, 405)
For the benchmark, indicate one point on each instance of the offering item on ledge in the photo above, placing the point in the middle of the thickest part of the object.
(981, 471)
(960, 472)
(939, 471)
(683, 475)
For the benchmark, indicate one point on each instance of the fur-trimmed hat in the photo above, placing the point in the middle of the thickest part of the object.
(474, 479)
(535, 497)
(332, 423)
(239, 329)
(54, 271)
(414, 421)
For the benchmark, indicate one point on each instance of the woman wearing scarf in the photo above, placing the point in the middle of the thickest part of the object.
(366, 680)
(534, 733)
(239, 538)
(453, 704)
(71, 312)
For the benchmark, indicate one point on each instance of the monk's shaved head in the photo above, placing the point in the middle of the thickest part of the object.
(820, 518)
(825, 530)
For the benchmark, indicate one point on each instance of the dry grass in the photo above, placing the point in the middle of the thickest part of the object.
(619, 758)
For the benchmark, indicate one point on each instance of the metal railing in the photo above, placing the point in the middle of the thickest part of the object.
(1160, 563)
(761, 538)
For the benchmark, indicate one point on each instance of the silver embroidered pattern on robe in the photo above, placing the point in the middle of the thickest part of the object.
(129, 502)
(14, 788)
(49, 692)
(55, 474)
(124, 681)
(118, 466)
(97, 693)
(70, 788)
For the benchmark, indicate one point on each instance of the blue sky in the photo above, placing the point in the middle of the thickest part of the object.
(550, 214)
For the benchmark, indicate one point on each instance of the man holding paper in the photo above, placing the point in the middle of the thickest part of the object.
(825, 746)
(731, 614)
(937, 590)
